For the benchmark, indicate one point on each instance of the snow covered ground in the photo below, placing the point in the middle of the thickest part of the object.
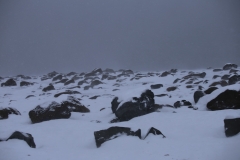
(190, 134)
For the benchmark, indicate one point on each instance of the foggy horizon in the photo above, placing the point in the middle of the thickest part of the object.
(38, 37)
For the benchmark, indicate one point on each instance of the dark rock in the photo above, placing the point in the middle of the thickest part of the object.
(173, 70)
(189, 82)
(169, 89)
(45, 78)
(75, 78)
(225, 77)
(82, 82)
(95, 83)
(74, 105)
(74, 87)
(58, 77)
(154, 131)
(127, 72)
(179, 104)
(71, 73)
(161, 95)
(114, 132)
(156, 86)
(10, 82)
(210, 90)
(229, 99)
(82, 74)
(66, 92)
(109, 70)
(182, 81)
(217, 70)
(102, 109)
(189, 86)
(216, 76)
(197, 95)
(53, 111)
(24, 77)
(229, 66)
(232, 126)
(52, 74)
(48, 88)
(28, 138)
(94, 97)
(115, 104)
(115, 89)
(137, 107)
(176, 80)
(104, 76)
(123, 75)
(195, 75)
(62, 81)
(164, 74)
(29, 96)
(233, 71)
(4, 112)
(221, 83)
(198, 82)
(206, 81)
(86, 87)
(233, 79)
(24, 83)
(111, 77)
(200, 87)
(69, 82)
(94, 72)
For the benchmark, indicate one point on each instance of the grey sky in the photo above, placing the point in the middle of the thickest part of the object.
(40, 36)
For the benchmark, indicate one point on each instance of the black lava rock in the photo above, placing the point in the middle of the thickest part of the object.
(136, 107)
(232, 126)
(156, 86)
(197, 95)
(48, 88)
(229, 99)
(10, 82)
(53, 111)
(28, 138)
(4, 112)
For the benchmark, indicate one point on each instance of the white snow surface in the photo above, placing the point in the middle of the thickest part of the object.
(190, 134)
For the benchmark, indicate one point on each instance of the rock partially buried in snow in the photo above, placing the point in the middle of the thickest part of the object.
(28, 138)
(126, 110)
(48, 88)
(114, 132)
(48, 111)
(181, 103)
(233, 79)
(74, 105)
(156, 86)
(232, 126)
(229, 99)
(58, 77)
(69, 82)
(4, 112)
(10, 82)
(229, 66)
(66, 92)
(24, 83)
(198, 94)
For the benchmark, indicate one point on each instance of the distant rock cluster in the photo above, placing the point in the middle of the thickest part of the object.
(56, 85)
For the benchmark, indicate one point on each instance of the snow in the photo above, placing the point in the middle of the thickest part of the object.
(190, 134)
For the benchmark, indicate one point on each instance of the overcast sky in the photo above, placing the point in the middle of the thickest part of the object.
(40, 36)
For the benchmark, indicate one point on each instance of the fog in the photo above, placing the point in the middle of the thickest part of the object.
(40, 36)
